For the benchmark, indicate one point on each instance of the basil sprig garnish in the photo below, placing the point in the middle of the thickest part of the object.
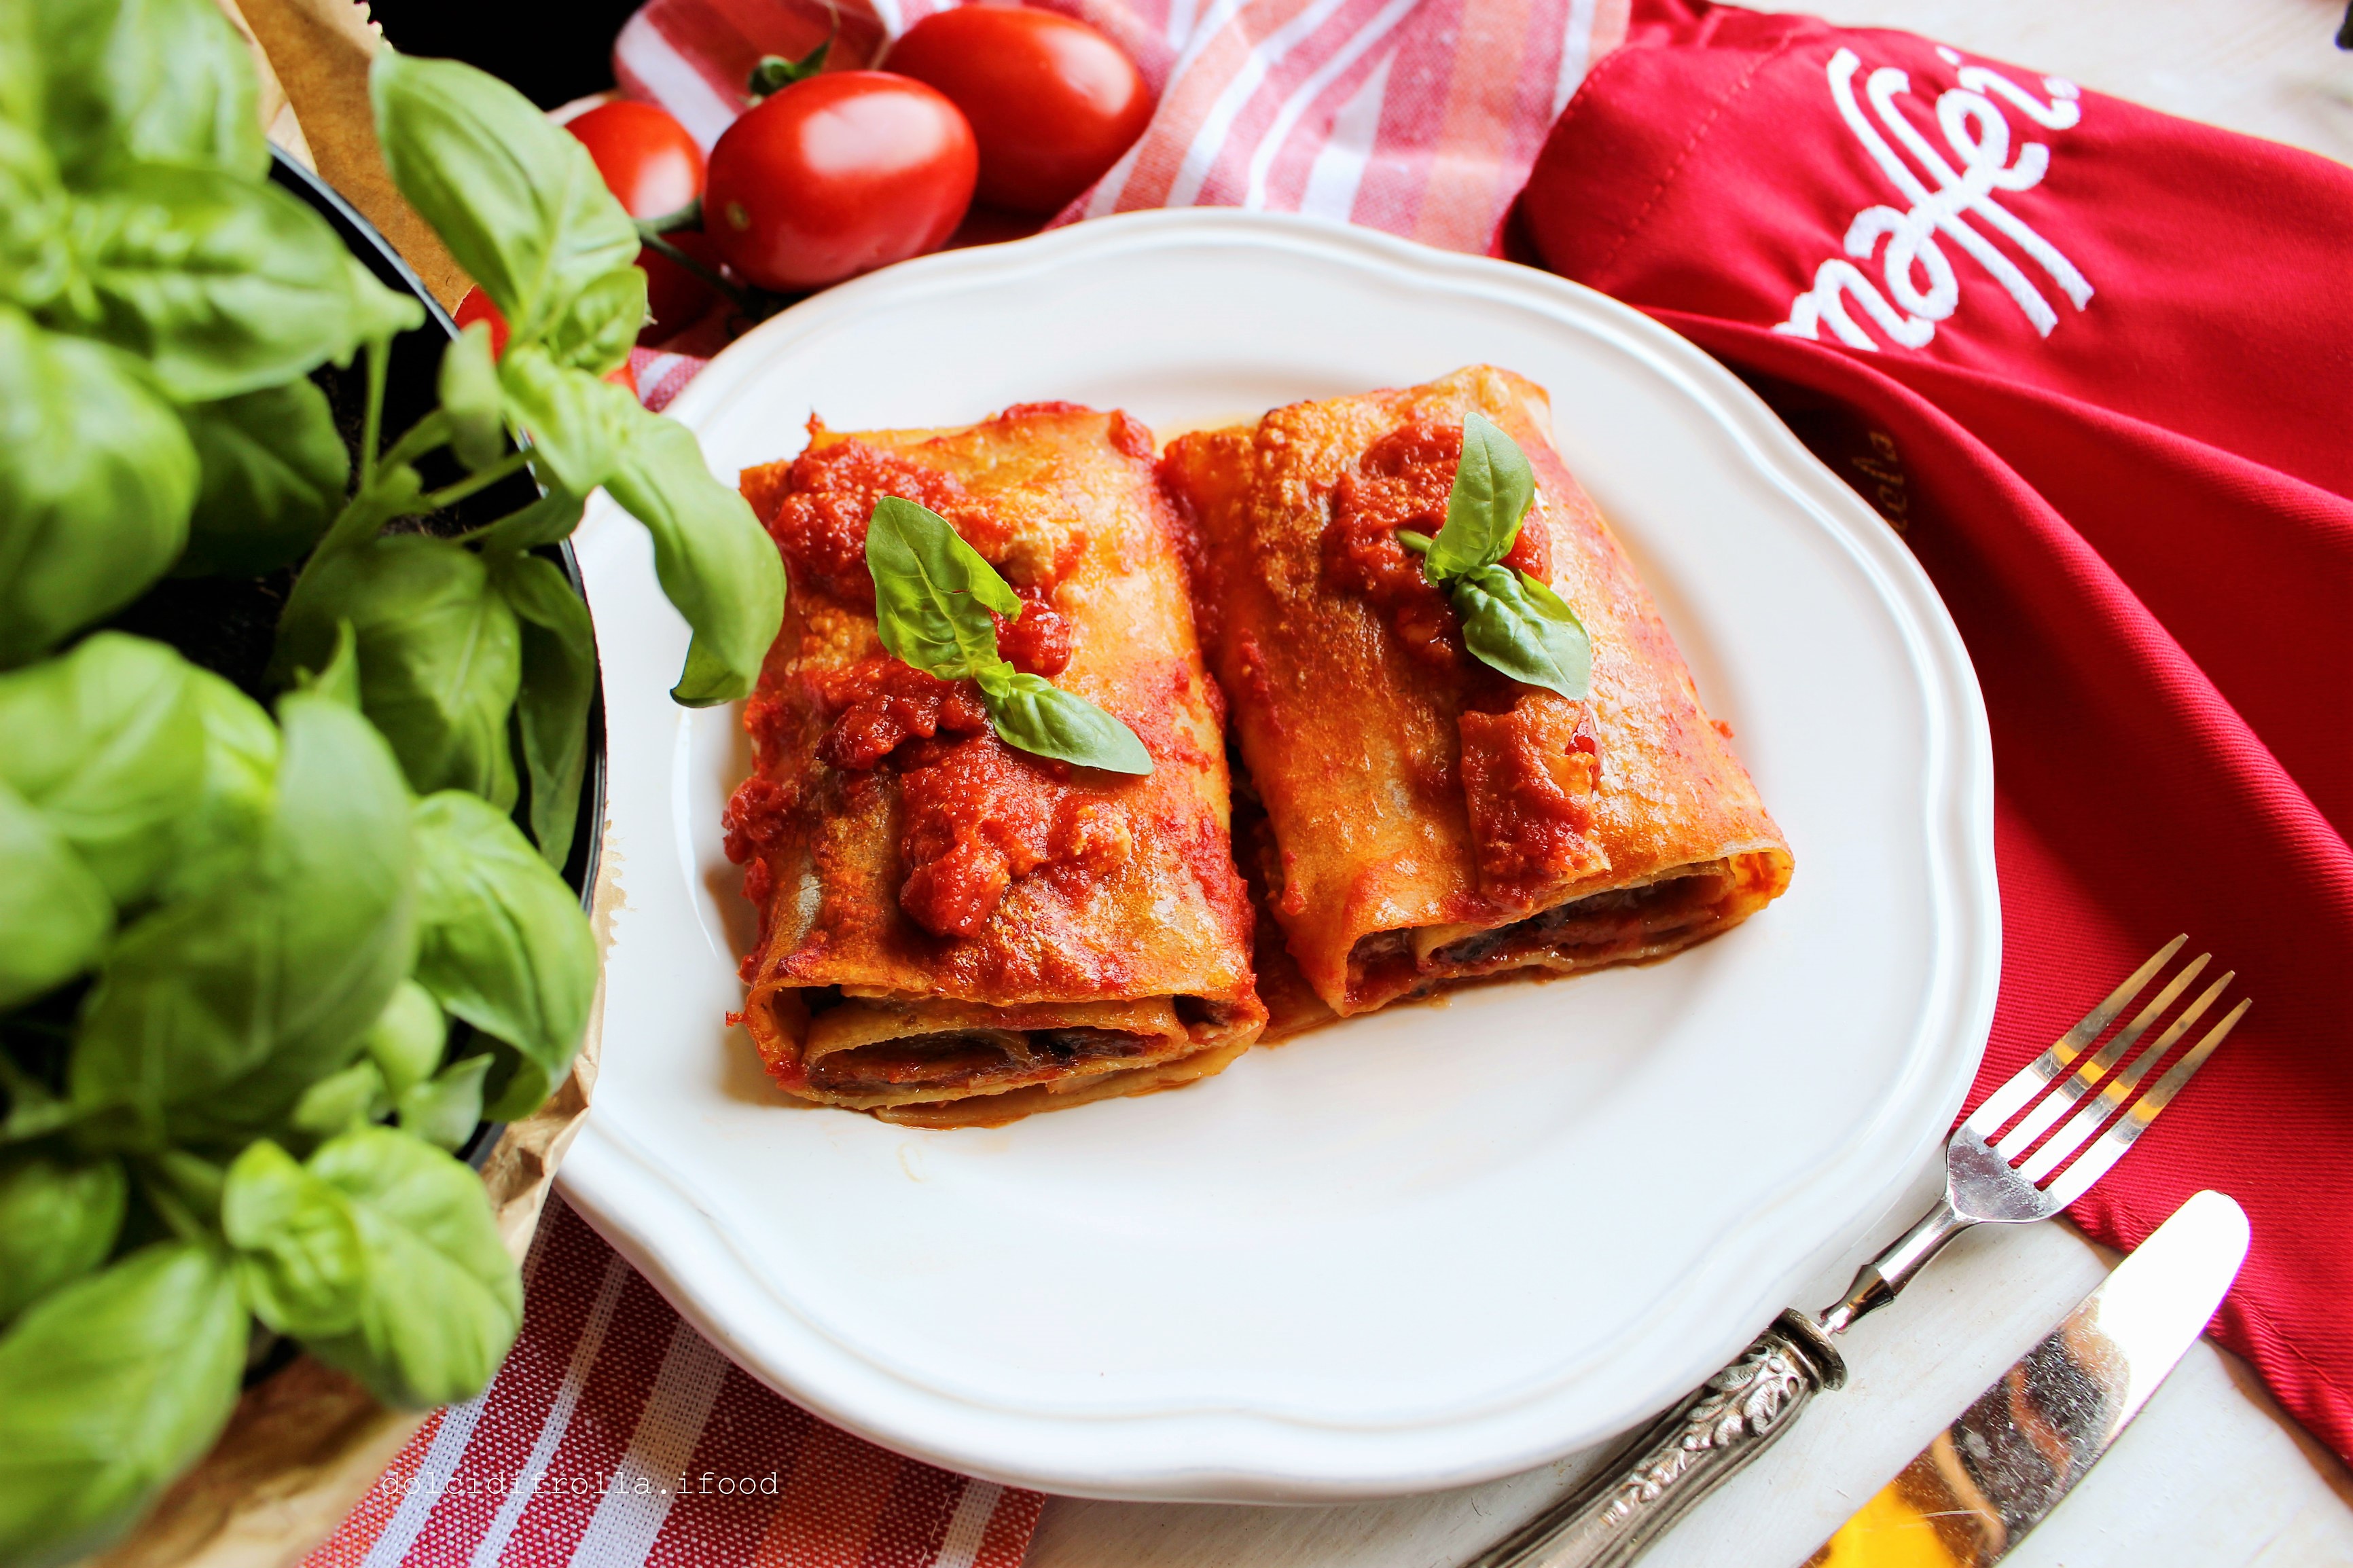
(933, 594)
(1511, 621)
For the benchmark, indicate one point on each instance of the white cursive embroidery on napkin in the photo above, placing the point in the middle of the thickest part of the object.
(1921, 286)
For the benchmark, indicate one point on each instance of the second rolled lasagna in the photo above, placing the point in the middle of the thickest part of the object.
(955, 931)
(1427, 819)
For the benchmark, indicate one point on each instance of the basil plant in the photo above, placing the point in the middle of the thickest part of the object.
(269, 953)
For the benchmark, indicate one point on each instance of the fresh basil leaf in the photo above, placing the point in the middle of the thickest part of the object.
(273, 470)
(445, 1109)
(597, 330)
(110, 1388)
(715, 561)
(213, 1014)
(516, 197)
(406, 1040)
(154, 81)
(221, 285)
(933, 592)
(516, 1085)
(547, 521)
(1492, 488)
(1038, 716)
(469, 398)
(108, 743)
(36, 259)
(1519, 625)
(299, 1263)
(222, 825)
(54, 916)
(440, 657)
(436, 1299)
(378, 313)
(559, 678)
(577, 422)
(96, 480)
(59, 1219)
(341, 1100)
(502, 940)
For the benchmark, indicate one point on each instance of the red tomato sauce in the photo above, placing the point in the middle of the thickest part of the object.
(1402, 481)
(1530, 801)
(819, 522)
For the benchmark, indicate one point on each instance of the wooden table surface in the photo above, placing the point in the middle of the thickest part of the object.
(2212, 1474)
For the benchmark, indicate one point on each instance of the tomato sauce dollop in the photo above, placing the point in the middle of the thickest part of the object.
(1527, 794)
(819, 523)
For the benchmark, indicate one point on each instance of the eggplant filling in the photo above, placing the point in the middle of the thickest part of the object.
(973, 1058)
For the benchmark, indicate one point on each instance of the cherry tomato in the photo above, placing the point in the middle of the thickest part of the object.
(837, 175)
(654, 168)
(1053, 102)
(476, 307)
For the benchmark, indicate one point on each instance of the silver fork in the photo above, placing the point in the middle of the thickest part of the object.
(1729, 1420)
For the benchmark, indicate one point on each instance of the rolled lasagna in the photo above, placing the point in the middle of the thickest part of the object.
(1427, 820)
(954, 931)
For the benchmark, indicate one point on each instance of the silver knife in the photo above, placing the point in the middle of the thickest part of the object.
(1999, 1469)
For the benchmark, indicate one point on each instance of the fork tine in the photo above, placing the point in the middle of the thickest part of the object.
(2004, 1102)
(2134, 1121)
(2077, 1084)
(2086, 1121)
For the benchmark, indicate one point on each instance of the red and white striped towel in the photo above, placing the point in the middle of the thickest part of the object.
(617, 1435)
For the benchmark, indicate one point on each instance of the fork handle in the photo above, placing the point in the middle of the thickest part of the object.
(1692, 1450)
(1877, 1282)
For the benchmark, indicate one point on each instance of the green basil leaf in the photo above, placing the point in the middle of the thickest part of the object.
(221, 826)
(221, 285)
(469, 398)
(36, 259)
(1519, 625)
(559, 678)
(213, 1014)
(933, 592)
(164, 81)
(341, 1100)
(299, 1262)
(437, 1300)
(516, 197)
(273, 470)
(108, 743)
(54, 916)
(59, 1219)
(516, 1085)
(547, 521)
(577, 422)
(715, 561)
(407, 1041)
(502, 940)
(445, 1110)
(96, 480)
(1492, 488)
(440, 657)
(378, 313)
(1038, 716)
(110, 1388)
(597, 330)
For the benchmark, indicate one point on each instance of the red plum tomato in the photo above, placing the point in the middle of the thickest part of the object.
(837, 175)
(653, 168)
(1053, 102)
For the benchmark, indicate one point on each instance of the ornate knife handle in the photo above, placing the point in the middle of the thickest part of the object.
(1693, 1450)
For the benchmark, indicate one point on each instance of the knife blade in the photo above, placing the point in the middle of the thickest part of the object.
(2007, 1461)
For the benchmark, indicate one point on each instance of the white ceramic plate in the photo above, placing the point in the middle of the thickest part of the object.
(1419, 1250)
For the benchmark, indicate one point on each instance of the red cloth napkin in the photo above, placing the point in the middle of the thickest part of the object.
(617, 1435)
(2096, 365)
